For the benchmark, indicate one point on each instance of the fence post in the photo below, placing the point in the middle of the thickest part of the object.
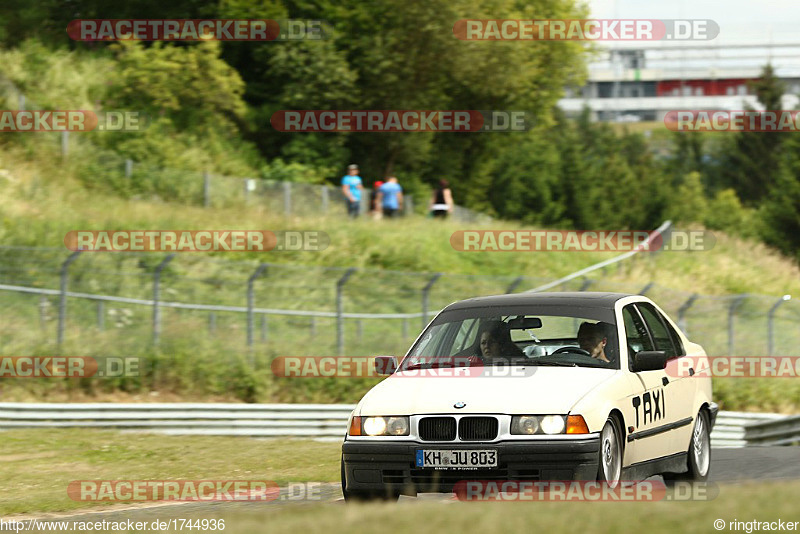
(287, 198)
(737, 301)
(64, 143)
(408, 205)
(586, 283)
(21, 99)
(128, 168)
(340, 310)
(101, 318)
(513, 285)
(313, 326)
(425, 292)
(157, 297)
(212, 323)
(405, 328)
(324, 199)
(43, 311)
(771, 325)
(62, 304)
(682, 312)
(206, 189)
(264, 326)
(647, 288)
(250, 298)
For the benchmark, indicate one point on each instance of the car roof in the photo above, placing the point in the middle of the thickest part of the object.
(582, 299)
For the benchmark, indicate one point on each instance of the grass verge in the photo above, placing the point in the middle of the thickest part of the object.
(36, 466)
(760, 502)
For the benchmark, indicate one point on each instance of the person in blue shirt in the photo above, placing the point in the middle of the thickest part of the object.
(390, 197)
(351, 187)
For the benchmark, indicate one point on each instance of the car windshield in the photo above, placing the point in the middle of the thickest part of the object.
(582, 337)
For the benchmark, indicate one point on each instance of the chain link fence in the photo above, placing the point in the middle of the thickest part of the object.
(134, 179)
(122, 302)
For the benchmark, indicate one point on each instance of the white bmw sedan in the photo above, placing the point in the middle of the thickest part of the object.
(530, 387)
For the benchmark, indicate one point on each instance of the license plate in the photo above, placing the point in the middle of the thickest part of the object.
(457, 459)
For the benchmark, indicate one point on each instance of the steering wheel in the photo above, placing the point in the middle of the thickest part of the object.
(573, 350)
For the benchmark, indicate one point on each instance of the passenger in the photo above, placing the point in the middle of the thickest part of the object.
(496, 344)
(593, 337)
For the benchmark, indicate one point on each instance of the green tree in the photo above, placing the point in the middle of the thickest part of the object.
(780, 212)
(725, 212)
(689, 203)
(752, 159)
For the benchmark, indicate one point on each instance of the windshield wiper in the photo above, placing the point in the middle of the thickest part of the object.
(552, 363)
(426, 365)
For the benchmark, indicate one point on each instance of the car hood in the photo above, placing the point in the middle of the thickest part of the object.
(547, 390)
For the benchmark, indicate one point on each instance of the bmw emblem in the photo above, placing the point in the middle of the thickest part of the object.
(459, 405)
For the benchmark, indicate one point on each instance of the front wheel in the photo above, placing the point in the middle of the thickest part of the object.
(699, 453)
(610, 468)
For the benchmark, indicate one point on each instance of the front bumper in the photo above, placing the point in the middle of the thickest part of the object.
(387, 466)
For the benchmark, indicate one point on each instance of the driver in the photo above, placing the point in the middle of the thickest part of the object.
(496, 344)
(592, 338)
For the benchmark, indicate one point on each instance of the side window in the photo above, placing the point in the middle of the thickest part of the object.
(660, 334)
(635, 332)
(465, 336)
(676, 340)
(660, 330)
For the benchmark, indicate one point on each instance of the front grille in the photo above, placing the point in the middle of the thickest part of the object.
(437, 429)
(477, 428)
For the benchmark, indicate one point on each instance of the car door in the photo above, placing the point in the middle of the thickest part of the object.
(652, 406)
(682, 389)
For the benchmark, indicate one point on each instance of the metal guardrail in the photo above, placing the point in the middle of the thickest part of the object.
(664, 229)
(731, 427)
(319, 421)
(783, 431)
(219, 419)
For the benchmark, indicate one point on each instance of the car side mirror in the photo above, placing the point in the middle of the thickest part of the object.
(649, 360)
(385, 365)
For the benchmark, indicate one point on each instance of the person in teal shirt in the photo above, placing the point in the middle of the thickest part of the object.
(351, 187)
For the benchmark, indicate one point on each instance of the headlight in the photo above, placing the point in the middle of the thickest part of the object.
(524, 424)
(386, 426)
(528, 425)
(552, 424)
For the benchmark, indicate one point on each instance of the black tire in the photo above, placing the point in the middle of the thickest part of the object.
(609, 469)
(699, 454)
(364, 495)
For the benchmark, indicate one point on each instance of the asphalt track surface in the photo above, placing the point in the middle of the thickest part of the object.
(729, 466)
